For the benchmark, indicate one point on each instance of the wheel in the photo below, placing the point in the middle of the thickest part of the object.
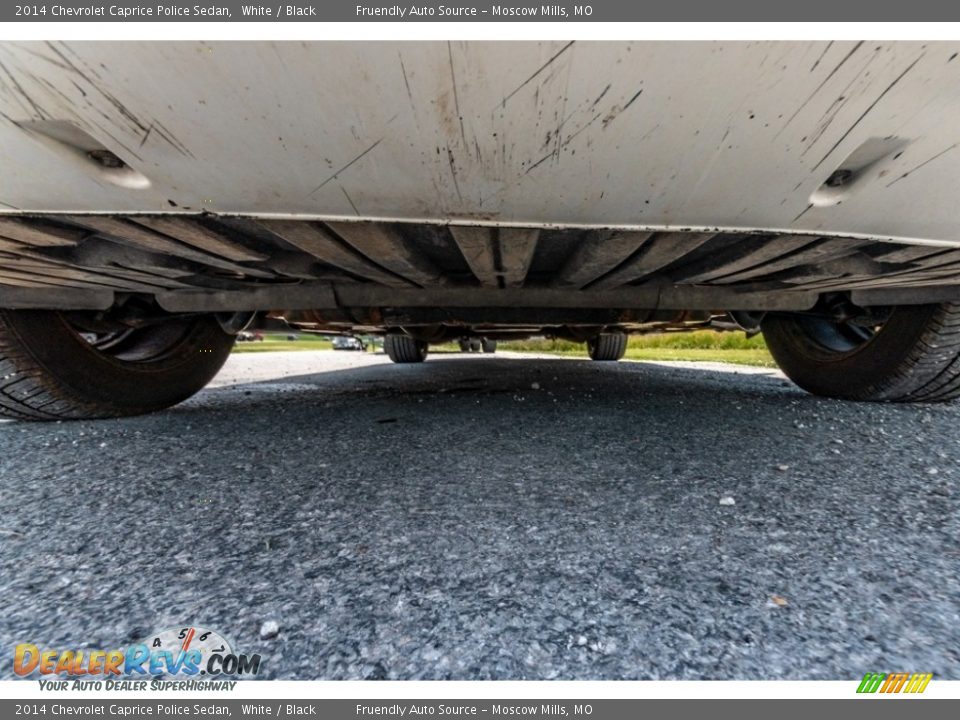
(607, 346)
(464, 345)
(899, 354)
(489, 346)
(404, 349)
(53, 369)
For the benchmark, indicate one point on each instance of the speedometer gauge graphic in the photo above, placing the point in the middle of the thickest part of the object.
(182, 639)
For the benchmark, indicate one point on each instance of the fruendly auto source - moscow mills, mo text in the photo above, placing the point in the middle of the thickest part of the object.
(400, 12)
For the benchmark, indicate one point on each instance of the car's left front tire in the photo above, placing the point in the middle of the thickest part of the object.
(53, 369)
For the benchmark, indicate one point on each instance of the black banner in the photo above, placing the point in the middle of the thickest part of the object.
(874, 708)
(466, 11)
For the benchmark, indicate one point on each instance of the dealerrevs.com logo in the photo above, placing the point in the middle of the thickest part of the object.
(184, 652)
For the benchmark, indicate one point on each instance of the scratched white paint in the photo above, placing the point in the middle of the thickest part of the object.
(644, 135)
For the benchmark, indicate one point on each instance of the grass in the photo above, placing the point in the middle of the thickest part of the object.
(278, 341)
(697, 346)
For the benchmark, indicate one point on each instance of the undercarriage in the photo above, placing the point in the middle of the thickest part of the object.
(442, 281)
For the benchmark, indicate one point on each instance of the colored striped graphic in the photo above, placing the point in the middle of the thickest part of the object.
(894, 682)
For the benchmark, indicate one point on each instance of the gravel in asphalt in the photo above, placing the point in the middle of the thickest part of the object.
(495, 517)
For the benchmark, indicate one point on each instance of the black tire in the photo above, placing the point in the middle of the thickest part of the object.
(464, 345)
(404, 349)
(914, 356)
(50, 371)
(607, 347)
(474, 345)
(488, 346)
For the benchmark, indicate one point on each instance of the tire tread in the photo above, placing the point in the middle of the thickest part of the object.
(927, 371)
(608, 347)
(30, 391)
(402, 349)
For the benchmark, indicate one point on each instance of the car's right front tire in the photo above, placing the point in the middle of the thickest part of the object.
(908, 353)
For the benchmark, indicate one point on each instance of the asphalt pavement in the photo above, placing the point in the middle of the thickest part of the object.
(495, 517)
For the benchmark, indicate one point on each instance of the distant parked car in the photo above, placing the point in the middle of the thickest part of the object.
(348, 342)
(247, 336)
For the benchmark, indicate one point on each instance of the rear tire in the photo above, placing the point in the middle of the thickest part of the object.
(404, 349)
(914, 356)
(50, 371)
(489, 346)
(607, 347)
